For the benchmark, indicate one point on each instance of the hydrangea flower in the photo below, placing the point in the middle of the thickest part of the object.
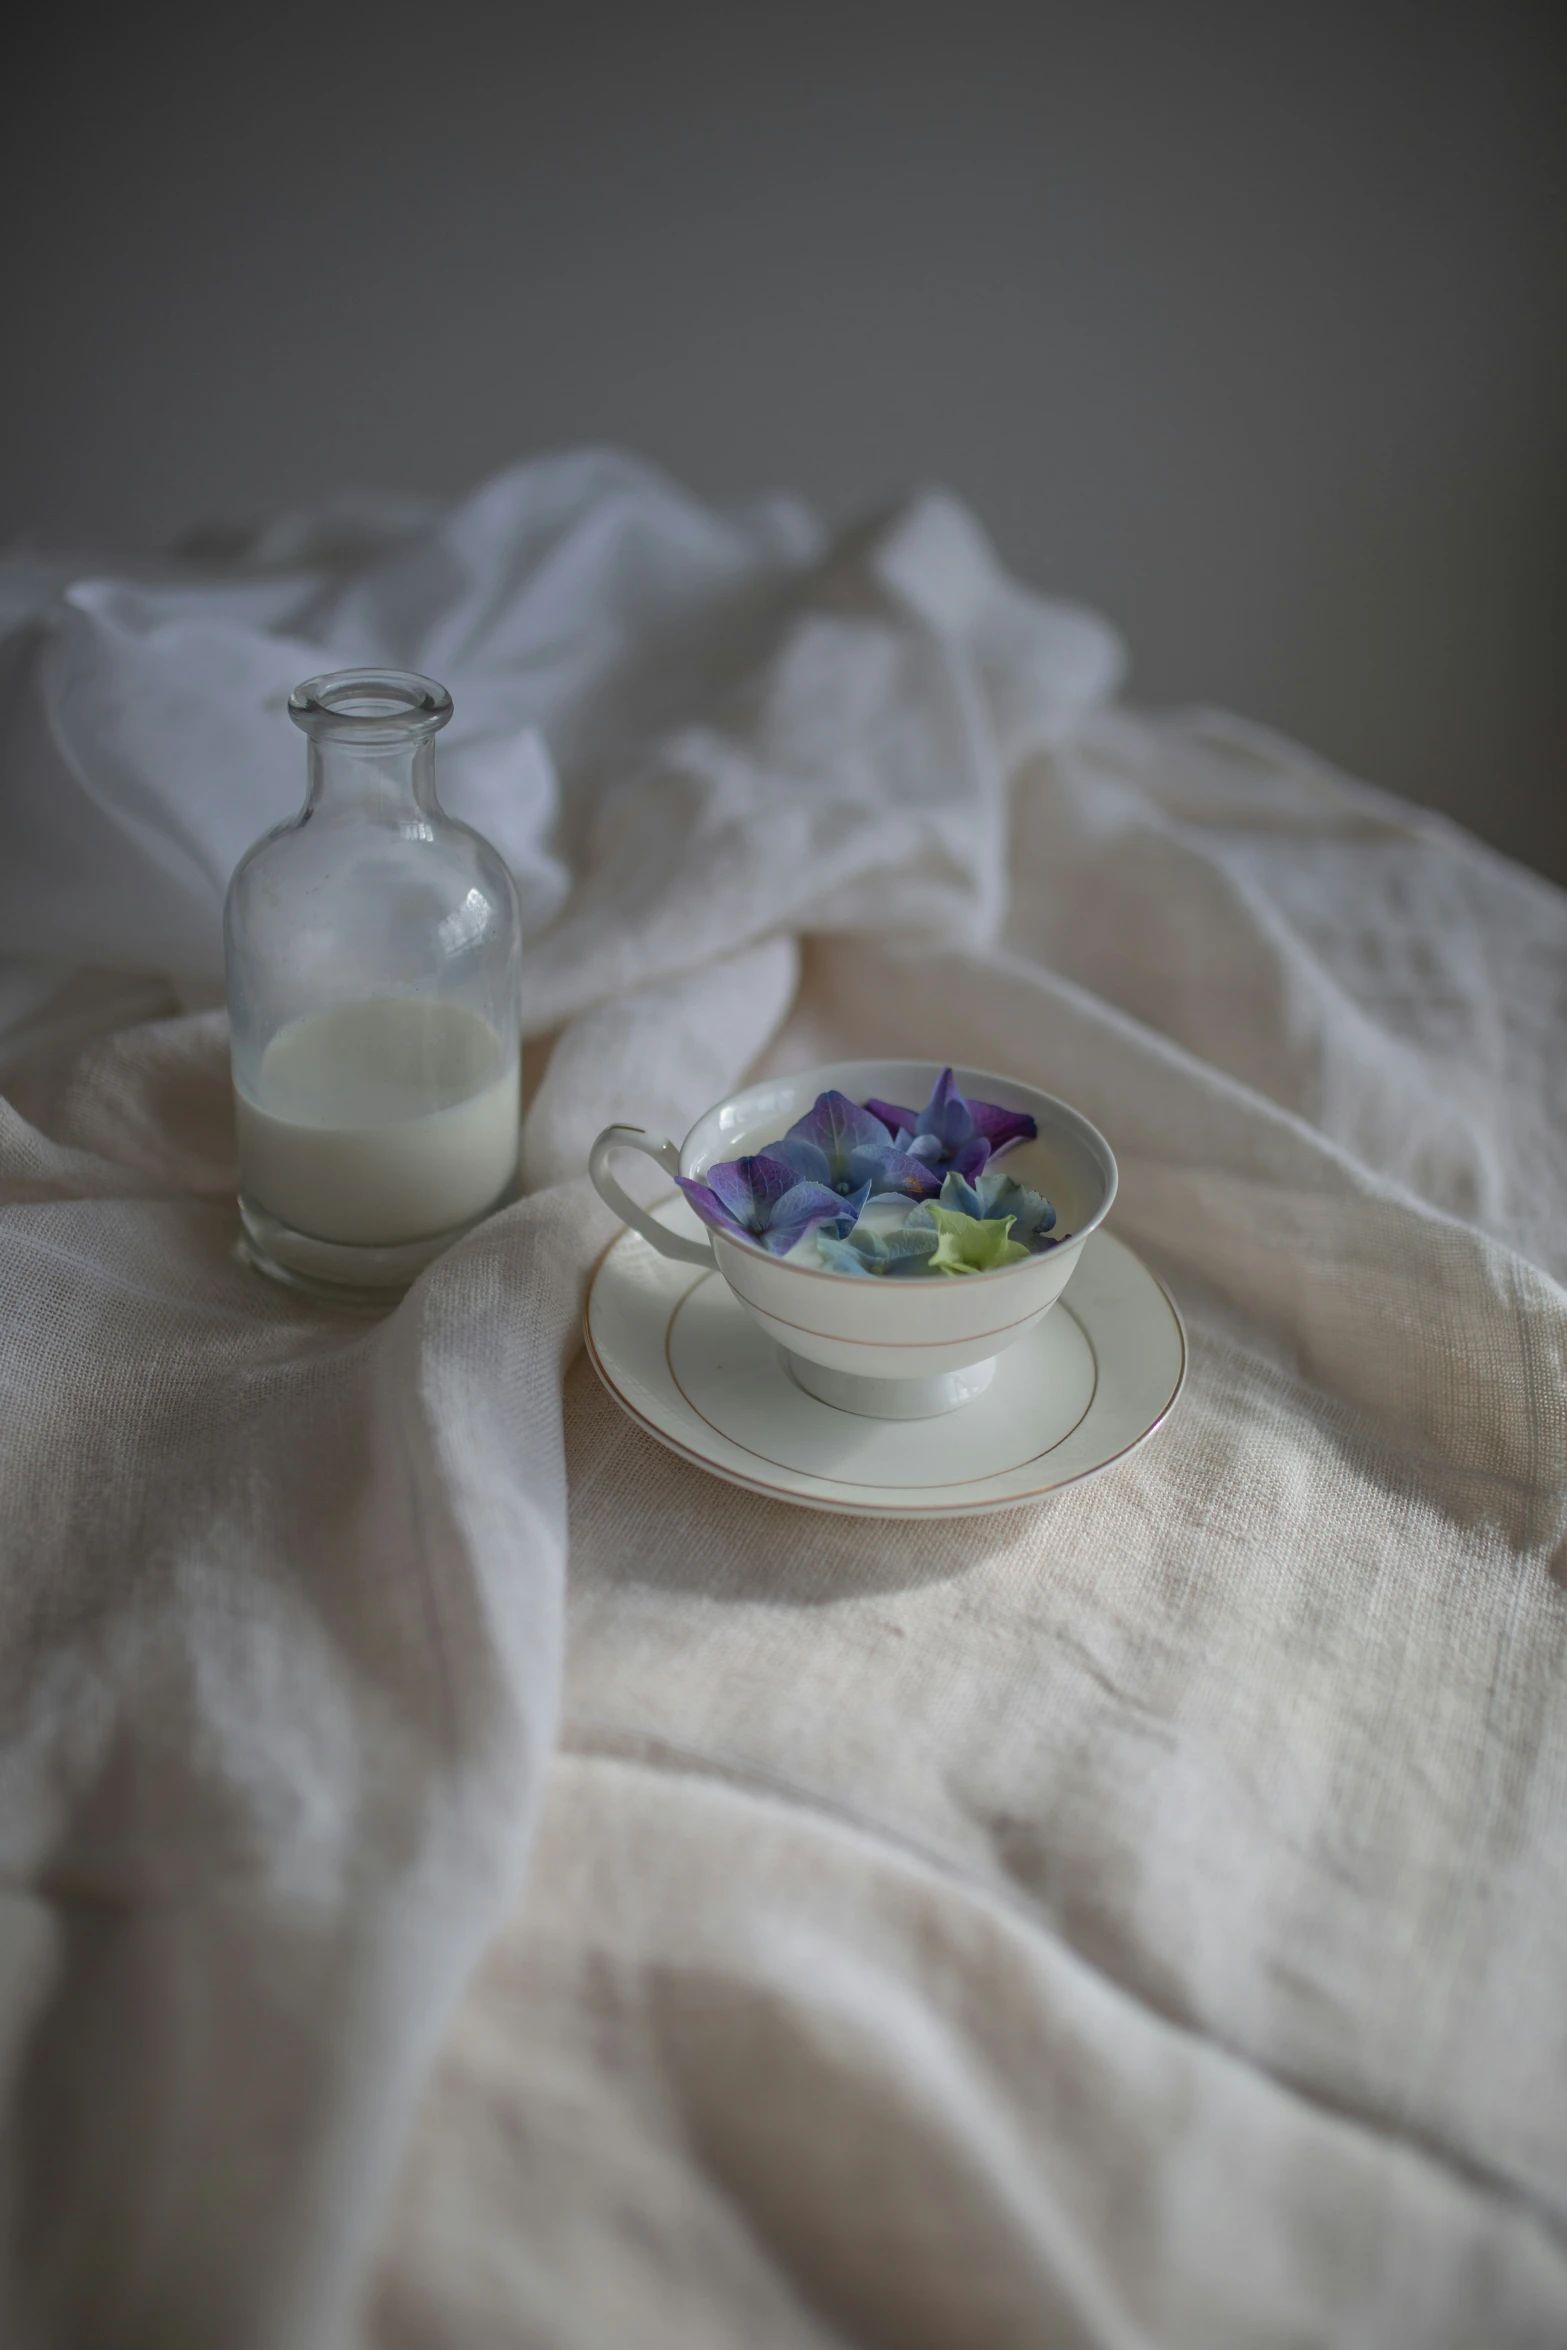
(994, 1194)
(951, 1133)
(892, 1254)
(844, 1147)
(967, 1244)
(762, 1200)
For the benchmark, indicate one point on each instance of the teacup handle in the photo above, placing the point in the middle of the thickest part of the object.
(635, 1138)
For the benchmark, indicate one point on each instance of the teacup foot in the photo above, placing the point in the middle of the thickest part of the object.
(889, 1399)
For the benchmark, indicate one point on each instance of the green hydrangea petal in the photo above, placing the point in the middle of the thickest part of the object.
(970, 1244)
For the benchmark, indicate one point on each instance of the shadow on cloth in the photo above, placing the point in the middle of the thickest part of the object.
(678, 1529)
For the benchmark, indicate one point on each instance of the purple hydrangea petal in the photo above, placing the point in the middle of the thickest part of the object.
(837, 1126)
(895, 1120)
(729, 1180)
(944, 1133)
(1001, 1128)
(749, 1186)
(772, 1178)
(890, 1170)
(712, 1210)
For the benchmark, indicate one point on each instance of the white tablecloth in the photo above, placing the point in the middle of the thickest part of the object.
(474, 1881)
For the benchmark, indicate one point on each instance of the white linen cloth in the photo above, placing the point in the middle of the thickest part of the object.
(1141, 1919)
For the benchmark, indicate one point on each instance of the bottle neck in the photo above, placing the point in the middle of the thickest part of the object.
(395, 781)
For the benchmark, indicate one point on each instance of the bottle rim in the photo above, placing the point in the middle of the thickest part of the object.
(370, 706)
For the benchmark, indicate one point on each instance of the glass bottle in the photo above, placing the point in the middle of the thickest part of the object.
(372, 945)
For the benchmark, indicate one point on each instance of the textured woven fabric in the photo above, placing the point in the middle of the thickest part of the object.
(1140, 1919)
(1137, 1920)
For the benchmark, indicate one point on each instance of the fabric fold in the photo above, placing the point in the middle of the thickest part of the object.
(1166, 1941)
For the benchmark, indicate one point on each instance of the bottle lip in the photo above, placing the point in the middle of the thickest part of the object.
(370, 706)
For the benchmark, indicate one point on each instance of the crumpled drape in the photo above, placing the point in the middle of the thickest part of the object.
(1138, 1919)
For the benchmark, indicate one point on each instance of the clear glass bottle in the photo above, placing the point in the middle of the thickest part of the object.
(373, 982)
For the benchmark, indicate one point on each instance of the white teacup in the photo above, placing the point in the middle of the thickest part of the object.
(900, 1349)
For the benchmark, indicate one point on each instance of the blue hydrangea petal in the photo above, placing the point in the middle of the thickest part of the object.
(893, 1255)
(809, 1161)
(910, 1252)
(850, 1210)
(960, 1195)
(805, 1207)
(945, 1115)
(1033, 1216)
(839, 1257)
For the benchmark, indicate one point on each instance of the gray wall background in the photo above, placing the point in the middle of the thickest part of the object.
(1246, 324)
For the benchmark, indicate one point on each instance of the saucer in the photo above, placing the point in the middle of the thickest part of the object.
(1077, 1392)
